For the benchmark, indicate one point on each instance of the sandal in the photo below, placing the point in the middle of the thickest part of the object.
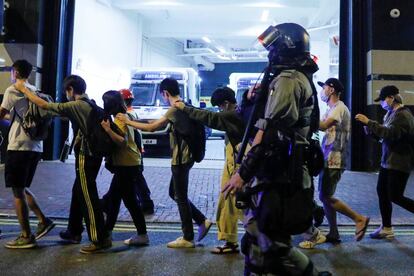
(226, 249)
(361, 233)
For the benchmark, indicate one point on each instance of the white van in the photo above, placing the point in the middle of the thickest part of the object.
(149, 105)
(239, 82)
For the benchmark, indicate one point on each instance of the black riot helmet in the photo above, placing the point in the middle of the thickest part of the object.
(285, 40)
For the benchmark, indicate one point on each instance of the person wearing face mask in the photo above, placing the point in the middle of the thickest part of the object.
(230, 120)
(126, 160)
(181, 164)
(336, 124)
(85, 200)
(23, 155)
(395, 134)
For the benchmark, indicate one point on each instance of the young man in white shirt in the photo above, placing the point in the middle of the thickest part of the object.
(336, 123)
(23, 155)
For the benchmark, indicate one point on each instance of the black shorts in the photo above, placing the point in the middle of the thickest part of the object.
(20, 168)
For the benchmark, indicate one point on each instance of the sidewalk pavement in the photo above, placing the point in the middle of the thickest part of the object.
(53, 182)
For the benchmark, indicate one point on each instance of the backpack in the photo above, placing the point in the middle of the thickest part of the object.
(99, 142)
(36, 121)
(196, 140)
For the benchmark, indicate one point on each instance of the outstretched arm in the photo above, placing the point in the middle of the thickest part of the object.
(394, 131)
(118, 139)
(20, 86)
(150, 127)
(216, 120)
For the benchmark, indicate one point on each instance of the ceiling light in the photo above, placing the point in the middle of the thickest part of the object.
(206, 39)
(265, 15)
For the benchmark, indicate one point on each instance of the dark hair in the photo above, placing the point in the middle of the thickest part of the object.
(77, 83)
(23, 68)
(113, 102)
(222, 94)
(171, 85)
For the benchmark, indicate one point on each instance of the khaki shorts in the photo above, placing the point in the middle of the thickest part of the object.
(328, 180)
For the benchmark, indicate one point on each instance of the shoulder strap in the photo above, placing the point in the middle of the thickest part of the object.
(91, 103)
(179, 145)
(12, 120)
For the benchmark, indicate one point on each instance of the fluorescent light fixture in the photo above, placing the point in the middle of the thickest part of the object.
(221, 49)
(206, 39)
(162, 3)
(263, 5)
(265, 15)
(2, 60)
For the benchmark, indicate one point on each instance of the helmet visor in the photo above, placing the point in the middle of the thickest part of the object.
(269, 37)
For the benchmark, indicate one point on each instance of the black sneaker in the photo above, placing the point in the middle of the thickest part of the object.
(43, 229)
(94, 248)
(69, 237)
(22, 242)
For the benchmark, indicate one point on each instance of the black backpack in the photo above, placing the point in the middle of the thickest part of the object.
(36, 121)
(99, 142)
(196, 140)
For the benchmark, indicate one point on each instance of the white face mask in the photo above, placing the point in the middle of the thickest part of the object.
(69, 97)
(323, 96)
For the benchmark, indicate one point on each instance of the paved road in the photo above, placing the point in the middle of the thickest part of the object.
(368, 257)
(53, 183)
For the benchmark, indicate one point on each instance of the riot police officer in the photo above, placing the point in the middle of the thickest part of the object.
(280, 200)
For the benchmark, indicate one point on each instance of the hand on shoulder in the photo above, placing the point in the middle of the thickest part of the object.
(179, 105)
(20, 85)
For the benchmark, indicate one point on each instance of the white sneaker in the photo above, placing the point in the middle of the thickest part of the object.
(382, 233)
(311, 243)
(181, 243)
(138, 240)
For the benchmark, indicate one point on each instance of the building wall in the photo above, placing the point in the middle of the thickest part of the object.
(107, 43)
(220, 75)
(162, 52)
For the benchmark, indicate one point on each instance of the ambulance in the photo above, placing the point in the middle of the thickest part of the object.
(149, 104)
(239, 82)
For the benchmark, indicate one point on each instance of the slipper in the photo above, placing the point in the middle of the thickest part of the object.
(225, 249)
(361, 233)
